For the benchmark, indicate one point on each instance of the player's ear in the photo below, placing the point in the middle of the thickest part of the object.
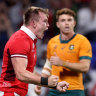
(57, 24)
(33, 23)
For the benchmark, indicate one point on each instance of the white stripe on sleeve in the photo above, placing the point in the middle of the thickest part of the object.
(18, 55)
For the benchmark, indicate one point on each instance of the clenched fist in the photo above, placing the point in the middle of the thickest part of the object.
(52, 80)
(62, 86)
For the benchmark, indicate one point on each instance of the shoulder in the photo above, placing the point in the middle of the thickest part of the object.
(83, 40)
(54, 39)
(19, 38)
(21, 34)
(81, 37)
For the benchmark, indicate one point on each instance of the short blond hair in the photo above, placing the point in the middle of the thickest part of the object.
(33, 14)
(65, 11)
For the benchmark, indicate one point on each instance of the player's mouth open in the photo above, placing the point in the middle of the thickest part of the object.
(67, 28)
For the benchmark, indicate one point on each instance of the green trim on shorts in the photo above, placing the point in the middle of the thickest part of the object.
(67, 93)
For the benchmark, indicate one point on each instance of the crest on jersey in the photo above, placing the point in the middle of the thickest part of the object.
(71, 47)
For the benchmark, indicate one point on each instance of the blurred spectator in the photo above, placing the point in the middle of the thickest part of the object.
(54, 5)
(81, 3)
(16, 9)
(41, 50)
(15, 13)
(92, 84)
(87, 21)
(66, 3)
(90, 78)
(3, 7)
(87, 27)
(84, 1)
(26, 3)
(5, 28)
(77, 2)
(40, 3)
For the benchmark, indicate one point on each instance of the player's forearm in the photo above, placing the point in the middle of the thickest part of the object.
(43, 75)
(36, 73)
(80, 67)
(28, 77)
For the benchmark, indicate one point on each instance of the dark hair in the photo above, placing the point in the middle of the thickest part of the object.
(65, 11)
(32, 13)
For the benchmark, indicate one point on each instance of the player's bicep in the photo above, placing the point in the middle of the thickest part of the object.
(19, 65)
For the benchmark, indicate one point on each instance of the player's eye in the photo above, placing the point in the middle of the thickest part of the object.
(69, 19)
(62, 20)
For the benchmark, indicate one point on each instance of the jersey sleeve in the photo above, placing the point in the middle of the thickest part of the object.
(85, 50)
(19, 48)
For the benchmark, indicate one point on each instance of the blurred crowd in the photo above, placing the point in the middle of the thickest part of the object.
(11, 15)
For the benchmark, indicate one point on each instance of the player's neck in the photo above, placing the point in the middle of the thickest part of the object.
(67, 36)
(31, 28)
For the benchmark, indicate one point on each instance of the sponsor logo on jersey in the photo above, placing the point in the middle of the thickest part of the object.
(62, 47)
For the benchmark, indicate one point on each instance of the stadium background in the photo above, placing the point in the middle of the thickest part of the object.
(11, 12)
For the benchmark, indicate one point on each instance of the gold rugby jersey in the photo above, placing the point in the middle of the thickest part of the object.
(73, 50)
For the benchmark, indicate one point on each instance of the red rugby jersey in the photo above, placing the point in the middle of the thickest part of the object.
(21, 44)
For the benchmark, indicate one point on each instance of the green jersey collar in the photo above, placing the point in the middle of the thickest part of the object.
(66, 41)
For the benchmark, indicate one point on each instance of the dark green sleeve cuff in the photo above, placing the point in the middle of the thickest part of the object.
(85, 57)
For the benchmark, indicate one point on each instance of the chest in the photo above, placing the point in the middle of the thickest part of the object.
(66, 51)
(32, 56)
